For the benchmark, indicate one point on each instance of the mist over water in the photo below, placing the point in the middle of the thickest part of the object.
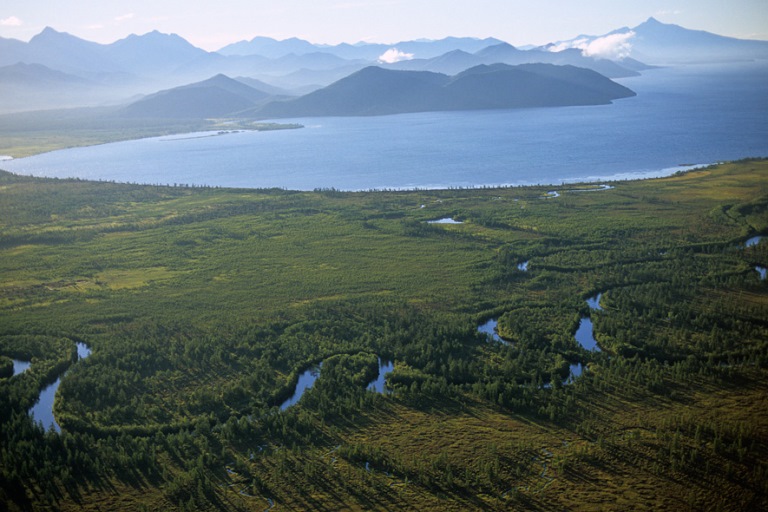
(696, 114)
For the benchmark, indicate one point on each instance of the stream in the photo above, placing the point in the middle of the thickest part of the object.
(584, 335)
(490, 329)
(751, 242)
(308, 377)
(42, 411)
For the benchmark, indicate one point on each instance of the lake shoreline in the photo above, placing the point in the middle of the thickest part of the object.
(601, 183)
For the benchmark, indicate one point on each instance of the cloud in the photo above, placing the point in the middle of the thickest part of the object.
(565, 45)
(11, 21)
(394, 55)
(613, 46)
(124, 17)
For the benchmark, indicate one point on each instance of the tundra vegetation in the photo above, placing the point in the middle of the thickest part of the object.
(202, 306)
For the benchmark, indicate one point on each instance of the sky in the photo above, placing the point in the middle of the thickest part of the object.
(212, 24)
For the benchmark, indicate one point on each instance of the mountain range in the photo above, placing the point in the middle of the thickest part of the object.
(426, 49)
(57, 70)
(665, 44)
(377, 91)
(219, 96)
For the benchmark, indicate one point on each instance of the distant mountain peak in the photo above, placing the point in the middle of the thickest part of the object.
(49, 33)
(503, 45)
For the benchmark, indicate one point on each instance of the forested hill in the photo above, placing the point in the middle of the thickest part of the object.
(216, 97)
(377, 91)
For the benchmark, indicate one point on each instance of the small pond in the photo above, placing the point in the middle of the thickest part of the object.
(585, 335)
(489, 328)
(576, 371)
(445, 220)
(42, 411)
(762, 271)
(594, 302)
(20, 366)
(753, 241)
(523, 266)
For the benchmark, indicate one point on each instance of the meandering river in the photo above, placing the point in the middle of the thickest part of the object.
(42, 411)
(308, 377)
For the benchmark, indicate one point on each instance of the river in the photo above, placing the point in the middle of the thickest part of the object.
(308, 377)
(42, 411)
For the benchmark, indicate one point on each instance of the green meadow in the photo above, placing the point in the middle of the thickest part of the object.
(202, 306)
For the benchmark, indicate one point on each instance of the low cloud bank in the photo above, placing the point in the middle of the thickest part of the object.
(394, 55)
(11, 21)
(613, 46)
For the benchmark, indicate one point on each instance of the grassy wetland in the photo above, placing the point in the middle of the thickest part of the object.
(202, 306)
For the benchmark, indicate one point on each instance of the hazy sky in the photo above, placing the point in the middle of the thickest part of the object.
(211, 24)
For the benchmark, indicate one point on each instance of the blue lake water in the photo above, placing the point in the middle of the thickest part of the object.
(686, 115)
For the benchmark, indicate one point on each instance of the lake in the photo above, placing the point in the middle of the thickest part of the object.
(695, 114)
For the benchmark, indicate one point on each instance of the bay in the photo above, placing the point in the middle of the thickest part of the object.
(696, 114)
